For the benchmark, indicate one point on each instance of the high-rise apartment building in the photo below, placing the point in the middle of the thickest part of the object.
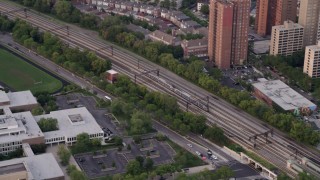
(228, 32)
(318, 36)
(312, 61)
(272, 13)
(261, 20)
(309, 19)
(286, 39)
(240, 31)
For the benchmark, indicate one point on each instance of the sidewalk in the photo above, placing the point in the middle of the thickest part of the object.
(54, 149)
(199, 169)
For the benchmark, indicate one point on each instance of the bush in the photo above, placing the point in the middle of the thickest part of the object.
(64, 155)
(38, 148)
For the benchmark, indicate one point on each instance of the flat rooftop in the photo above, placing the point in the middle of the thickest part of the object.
(42, 166)
(21, 98)
(4, 97)
(22, 124)
(12, 168)
(283, 95)
(72, 122)
(261, 47)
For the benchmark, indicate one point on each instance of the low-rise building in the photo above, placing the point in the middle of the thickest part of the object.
(71, 122)
(202, 30)
(16, 129)
(164, 38)
(200, 3)
(275, 92)
(18, 101)
(43, 166)
(196, 47)
(189, 24)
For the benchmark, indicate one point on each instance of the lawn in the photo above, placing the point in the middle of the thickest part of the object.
(20, 75)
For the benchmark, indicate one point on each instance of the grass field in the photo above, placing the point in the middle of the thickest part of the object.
(21, 75)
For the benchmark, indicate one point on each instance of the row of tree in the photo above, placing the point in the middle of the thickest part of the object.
(51, 47)
(291, 68)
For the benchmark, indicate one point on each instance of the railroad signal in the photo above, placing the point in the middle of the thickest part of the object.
(264, 134)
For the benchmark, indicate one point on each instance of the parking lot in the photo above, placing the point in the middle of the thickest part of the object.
(159, 152)
(112, 161)
(103, 163)
(245, 73)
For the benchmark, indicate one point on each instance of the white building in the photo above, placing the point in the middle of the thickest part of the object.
(277, 92)
(18, 128)
(37, 167)
(23, 100)
(71, 122)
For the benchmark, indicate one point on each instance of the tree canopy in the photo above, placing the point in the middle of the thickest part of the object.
(48, 124)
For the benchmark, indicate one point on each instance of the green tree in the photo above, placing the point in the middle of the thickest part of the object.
(224, 172)
(148, 164)
(129, 147)
(140, 159)
(83, 143)
(96, 142)
(38, 148)
(118, 141)
(306, 176)
(133, 167)
(77, 175)
(205, 9)
(48, 124)
(165, 4)
(140, 123)
(100, 66)
(37, 111)
(64, 155)
(215, 134)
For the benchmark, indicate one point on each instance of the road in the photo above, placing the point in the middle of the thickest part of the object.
(238, 125)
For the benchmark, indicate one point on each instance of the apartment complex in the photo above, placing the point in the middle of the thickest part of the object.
(228, 32)
(164, 38)
(286, 39)
(272, 13)
(312, 61)
(309, 19)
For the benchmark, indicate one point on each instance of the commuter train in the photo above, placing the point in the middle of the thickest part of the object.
(164, 83)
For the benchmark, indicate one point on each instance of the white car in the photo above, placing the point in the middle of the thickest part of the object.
(214, 157)
(190, 145)
(197, 152)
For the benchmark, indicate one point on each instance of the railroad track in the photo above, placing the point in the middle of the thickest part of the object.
(234, 122)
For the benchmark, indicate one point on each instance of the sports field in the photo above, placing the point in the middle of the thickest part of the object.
(21, 75)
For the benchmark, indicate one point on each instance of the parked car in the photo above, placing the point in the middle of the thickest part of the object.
(198, 153)
(190, 145)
